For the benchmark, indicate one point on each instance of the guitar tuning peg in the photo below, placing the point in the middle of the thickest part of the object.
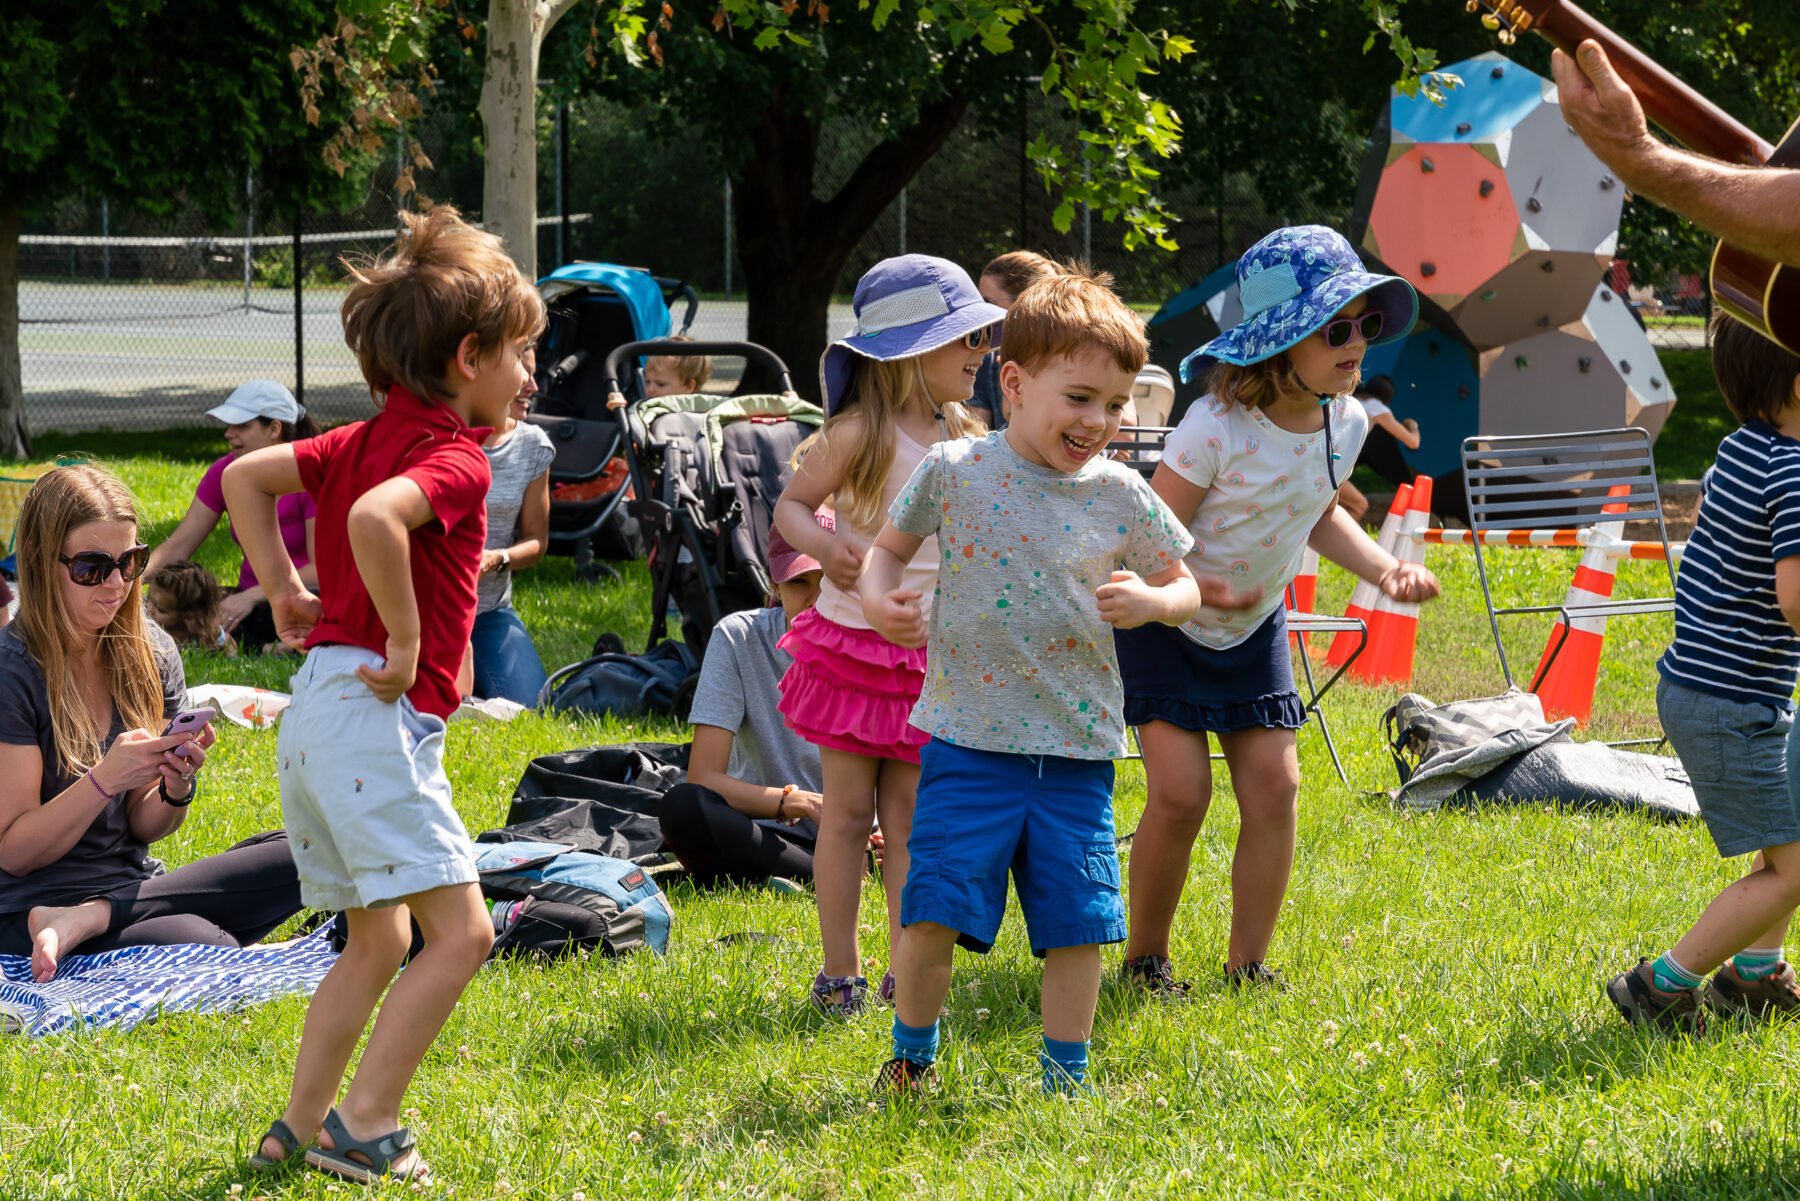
(1472, 6)
(1508, 37)
(1490, 20)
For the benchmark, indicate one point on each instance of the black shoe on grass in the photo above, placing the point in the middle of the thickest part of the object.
(1254, 974)
(1154, 974)
(1728, 993)
(1640, 1002)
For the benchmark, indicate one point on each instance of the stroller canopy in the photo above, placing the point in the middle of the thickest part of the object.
(637, 290)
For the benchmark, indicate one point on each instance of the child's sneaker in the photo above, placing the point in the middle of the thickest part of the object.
(1776, 993)
(840, 996)
(1154, 974)
(886, 991)
(1640, 1002)
(1254, 974)
(900, 1078)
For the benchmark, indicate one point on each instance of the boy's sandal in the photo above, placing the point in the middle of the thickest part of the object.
(379, 1155)
(291, 1146)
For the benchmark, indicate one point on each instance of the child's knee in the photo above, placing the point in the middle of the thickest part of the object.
(1181, 806)
(1271, 804)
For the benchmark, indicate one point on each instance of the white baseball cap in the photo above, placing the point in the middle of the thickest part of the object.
(258, 398)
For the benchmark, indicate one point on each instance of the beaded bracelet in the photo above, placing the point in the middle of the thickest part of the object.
(110, 796)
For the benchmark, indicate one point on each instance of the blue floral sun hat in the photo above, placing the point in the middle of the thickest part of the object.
(1290, 284)
(905, 306)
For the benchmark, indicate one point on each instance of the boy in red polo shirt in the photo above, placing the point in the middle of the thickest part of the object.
(440, 327)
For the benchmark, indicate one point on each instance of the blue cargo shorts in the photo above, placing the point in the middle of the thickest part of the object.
(1048, 821)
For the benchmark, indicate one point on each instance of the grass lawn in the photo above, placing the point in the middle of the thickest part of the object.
(1444, 1035)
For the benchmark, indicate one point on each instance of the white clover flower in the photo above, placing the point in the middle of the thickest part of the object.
(634, 1138)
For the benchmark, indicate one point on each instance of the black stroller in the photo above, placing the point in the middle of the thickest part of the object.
(707, 471)
(594, 307)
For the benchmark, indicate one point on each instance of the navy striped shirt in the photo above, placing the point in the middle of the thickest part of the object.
(1730, 637)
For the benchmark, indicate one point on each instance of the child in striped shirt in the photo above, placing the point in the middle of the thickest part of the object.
(1726, 699)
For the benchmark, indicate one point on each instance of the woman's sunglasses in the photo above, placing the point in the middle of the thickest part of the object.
(987, 335)
(1337, 333)
(91, 568)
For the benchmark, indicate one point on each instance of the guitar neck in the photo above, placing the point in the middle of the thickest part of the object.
(1670, 104)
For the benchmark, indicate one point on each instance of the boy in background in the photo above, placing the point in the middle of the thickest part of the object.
(441, 327)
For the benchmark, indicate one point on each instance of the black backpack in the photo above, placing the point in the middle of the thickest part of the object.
(659, 682)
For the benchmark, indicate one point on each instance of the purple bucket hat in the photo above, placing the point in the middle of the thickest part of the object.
(1290, 284)
(905, 306)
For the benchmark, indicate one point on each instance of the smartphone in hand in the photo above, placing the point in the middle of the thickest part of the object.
(189, 721)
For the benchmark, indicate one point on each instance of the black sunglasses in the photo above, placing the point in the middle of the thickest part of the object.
(1337, 333)
(90, 568)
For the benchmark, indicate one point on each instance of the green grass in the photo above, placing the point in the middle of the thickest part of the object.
(1444, 1037)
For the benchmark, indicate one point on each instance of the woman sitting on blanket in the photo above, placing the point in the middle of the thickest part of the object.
(750, 807)
(87, 780)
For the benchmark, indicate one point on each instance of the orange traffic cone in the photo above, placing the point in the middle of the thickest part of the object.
(1394, 630)
(1362, 600)
(1303, 589)
(1567, 687)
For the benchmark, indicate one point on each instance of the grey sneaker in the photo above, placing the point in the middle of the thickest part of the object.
(1729, 993)
(1641, 1003)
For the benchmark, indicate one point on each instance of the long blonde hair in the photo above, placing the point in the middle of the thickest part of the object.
(61, 500)
(1259, 385)
(877, 391)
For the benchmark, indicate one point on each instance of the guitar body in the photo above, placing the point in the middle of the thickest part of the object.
(1763, 295)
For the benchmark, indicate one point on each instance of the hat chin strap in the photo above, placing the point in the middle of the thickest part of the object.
(937, 410)
(1331, 456)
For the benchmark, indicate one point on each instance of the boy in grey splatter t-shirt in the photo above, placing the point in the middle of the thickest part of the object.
(1022, 695)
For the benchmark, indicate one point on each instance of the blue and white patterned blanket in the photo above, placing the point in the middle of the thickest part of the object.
(119, 989)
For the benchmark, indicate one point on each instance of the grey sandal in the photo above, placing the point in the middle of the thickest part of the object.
(379, 1153)
(282, 1133)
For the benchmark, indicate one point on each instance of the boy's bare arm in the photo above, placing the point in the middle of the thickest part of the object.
(1129, 600)
(893, 611)
(251, 485)
(379, 524)
(1787, 589)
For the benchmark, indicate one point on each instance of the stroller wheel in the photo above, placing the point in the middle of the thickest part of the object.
(593, 573)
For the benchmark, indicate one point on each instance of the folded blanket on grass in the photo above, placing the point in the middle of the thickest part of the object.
(119, 989)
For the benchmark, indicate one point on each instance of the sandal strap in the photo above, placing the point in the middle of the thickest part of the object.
(282, 1133)
(382, 1150)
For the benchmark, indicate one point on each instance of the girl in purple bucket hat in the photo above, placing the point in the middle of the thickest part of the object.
(1253, 469)
(893, 387)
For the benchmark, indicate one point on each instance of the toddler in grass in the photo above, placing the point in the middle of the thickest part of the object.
(1725, 699)
(441, 327)
(1045, 546)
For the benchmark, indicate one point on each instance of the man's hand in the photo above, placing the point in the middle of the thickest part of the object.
(295, 616)
(1599, 106)
(897, 616)
(1410, 582)
(490, 562)
(390, 681)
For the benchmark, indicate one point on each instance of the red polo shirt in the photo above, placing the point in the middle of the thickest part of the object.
(430, 445)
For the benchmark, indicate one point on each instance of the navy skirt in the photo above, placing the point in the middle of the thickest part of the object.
(1170, 677)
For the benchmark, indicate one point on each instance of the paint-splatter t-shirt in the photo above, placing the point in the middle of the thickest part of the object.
(1266, 489)
(1020, 661)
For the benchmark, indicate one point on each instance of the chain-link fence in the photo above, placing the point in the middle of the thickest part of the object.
(132, 321)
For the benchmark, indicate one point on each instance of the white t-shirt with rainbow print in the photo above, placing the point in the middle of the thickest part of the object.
(1266, 489)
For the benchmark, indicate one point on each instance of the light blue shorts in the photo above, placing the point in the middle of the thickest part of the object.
(363, 790)
(1736, 757)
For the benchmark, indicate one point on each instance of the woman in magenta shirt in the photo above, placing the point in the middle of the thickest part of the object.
(258, 414)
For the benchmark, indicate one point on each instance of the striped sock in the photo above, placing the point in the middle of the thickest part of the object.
(1064, 1064)
(916, 1044)
(1753, 963)
(1670, 976)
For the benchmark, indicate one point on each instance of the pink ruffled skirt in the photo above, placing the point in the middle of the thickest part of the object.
(851, 690)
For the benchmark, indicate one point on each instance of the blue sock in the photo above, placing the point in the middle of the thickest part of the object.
(1064, 1064)
(1670, 976)
(917, 1044)
(1754, 963)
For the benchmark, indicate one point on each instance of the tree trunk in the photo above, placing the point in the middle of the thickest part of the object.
(794, 246)
(515, 34)
(15, 438)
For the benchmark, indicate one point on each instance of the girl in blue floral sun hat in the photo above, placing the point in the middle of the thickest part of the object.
(1251, 470)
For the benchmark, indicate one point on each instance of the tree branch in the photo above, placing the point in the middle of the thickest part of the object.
(872, 186)
(553, 11)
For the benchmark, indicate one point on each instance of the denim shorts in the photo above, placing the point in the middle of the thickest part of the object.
(1735, 755)
(1048, 821)
(363, 790)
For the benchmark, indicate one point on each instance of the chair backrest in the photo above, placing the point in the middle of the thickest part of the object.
(1143, 444)
(1561, 481)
